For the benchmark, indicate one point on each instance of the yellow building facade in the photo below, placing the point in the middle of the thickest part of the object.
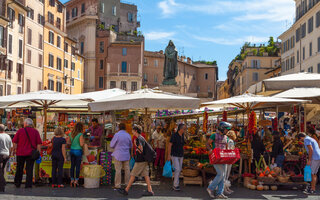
(63, 67)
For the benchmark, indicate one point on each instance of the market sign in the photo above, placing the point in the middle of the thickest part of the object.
(265, 123)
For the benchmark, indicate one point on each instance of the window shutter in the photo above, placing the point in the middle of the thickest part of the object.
(252, 63)
(258, 63)
(5, 37)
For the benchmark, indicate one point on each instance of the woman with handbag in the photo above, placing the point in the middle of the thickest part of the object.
(77, 142)
(58, 157)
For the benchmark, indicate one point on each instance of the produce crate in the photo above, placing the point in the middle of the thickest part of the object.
(193, 181)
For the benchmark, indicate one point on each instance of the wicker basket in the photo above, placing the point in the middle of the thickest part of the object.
(190, 172)
(283, 179)
(266, 179)
(292, 157)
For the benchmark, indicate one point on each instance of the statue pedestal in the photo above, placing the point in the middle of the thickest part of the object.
(175, 89)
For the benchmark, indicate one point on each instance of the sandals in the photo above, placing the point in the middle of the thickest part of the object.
(71, 183)
(75, 184)
(61, 186)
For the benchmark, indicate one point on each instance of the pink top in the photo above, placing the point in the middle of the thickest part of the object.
(22, 141)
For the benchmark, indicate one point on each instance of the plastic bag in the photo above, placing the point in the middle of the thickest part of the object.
(307, 173)
(93, 171)
(131, 163)
(167, 170)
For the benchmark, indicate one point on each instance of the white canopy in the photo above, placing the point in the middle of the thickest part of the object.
(41, 98)
(145, 98)
(100, 95)
(301, 93)
(290, 81)
(251, 101)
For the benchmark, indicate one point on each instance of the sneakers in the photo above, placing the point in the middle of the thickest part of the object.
(311, 192)
(148, 194)
(176, 188)
(123, 192)
(221, 196)
(210, 193)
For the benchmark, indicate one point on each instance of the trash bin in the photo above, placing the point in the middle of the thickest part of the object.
(92, 175)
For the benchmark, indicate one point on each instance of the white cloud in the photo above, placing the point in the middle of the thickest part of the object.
(154, 35)
(168, 7)
(233, 41)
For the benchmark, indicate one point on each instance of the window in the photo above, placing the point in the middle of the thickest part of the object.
(8, 89)
(10, 44)
(134, 86)
(298, 56)
(101, 47)
(50, 85)
(29, 56)
(40, 60)
(52, 3)
(112, 84)
(79, 73)
(114, 10)
(19, 90)
(101, 64)
(41, 19)
(28, 89)
(58, 41)
(298, 35)
(310, 69)
(303, 53)
(100, 82)
(145, 61)
(66, 47)
(82, 48)
(20, 48)
(59, 86)
(73, 66)
(11, 14)
(318, 19)
(50, 18)
(59, 62)
(193, 77)
(310, 49)
(206, 76)
(255, 63)
(124, 67)
(30, 13)
(1, 90)
(51, 37)
(318, 68)
(2, 37)
(21, 23)
(145, 77)
(130, 17)
(310, 25)
(318, 44)
(74, 12)
(155, 78)
(255, 76)
(68, 15)
(51, 60)
(65, 63)
(72, 81)
(124, 51)
(40, 41)
(39, 86)
(58, 23)
(65, 79)
(102, 7)
(59, 8)
(303, 31)
(29, 36)
(156, 63)
(123, 85)
(83, 8)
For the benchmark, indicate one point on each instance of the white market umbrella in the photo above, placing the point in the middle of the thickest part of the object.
(301, 93)
(100, 95)
(249, 101)
(44, 99)
(145, 99)
(290, 81)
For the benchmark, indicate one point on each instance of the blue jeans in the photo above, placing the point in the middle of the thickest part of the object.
(280, 160)
(177, 164)
(218, 181)
(76, 158)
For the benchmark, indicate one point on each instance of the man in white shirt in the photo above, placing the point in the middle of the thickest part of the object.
(5, 151)
(159, 144)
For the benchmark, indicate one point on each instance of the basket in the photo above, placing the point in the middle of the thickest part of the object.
(297, 179)
(266, 179)
(190, 172)
(292, 157)
(283, 179)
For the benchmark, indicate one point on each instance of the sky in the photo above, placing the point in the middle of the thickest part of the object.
(212, 29)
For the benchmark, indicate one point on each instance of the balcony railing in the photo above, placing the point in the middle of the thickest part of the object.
(305, 9)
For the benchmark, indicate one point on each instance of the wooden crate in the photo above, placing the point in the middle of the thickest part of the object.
(192, 181)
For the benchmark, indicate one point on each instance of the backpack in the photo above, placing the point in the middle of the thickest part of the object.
(149, 154)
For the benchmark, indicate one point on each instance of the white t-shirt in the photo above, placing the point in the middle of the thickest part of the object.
(5, 144)
(158, 138)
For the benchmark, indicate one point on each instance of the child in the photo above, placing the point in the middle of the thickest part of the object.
(58, 157)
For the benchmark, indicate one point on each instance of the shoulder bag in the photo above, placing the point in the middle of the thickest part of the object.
(35, 154)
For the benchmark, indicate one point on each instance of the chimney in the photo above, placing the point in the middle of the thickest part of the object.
(183, 58)
(161, 51)
(189, 60)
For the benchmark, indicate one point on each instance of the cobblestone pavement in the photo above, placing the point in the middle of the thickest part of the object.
(162, 191)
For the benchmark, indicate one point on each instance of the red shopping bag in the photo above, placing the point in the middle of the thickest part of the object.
(223, 156)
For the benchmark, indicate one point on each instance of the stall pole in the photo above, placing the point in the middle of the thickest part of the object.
(299, 113)
(45, 109)
(305, 118)
(277, 116)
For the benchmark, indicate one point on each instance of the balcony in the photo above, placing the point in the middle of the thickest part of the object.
(302, 10)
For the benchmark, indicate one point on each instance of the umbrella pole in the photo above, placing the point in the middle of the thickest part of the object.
(305, 117)
(45, 108)
(277, 116)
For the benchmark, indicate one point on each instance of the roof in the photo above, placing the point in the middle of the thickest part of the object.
(201, 65)
(274, 69)
(154, 54)
(126, 42)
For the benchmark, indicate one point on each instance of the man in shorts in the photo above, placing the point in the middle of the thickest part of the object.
(141, 167)
(313, 150)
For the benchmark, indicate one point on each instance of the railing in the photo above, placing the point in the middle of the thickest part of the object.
(123, 74)
(303, 11)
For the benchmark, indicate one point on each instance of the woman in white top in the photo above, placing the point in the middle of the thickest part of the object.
(5, 151)
(231, 145)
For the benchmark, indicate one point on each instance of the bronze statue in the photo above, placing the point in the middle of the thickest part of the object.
(170, 70)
